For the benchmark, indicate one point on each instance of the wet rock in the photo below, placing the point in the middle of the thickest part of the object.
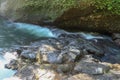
(44, 48)
(28, 54)
(59, 68)
(108, 76)
(77, 57)
(47, 75)
(116, 36)
(115, 66)
(33, 72)
(71, 48)
(117, 41)
(80, 77)
(53, 58)
(26, 73)
(65, 68)
(93, 49)
(91, 68)
(110, 51)
(52, 53)
(12, 65)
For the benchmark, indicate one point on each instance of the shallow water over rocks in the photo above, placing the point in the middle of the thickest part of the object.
(53, 46)
(14, 34)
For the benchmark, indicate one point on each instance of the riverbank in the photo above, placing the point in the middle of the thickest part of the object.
(70, 56)
(88, 15)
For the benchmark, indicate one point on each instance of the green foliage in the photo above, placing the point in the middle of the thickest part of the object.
(43, 7)
(112, 6)
(35, 4)
(56, 8)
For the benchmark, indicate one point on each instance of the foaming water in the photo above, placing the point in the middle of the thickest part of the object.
(34, 30)
(95, 37)
(90, 36)
(21, 33)
(5, 73)
(11, 34)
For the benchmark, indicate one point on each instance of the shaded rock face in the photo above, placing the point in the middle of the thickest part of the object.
(80, 15)
(116, 38)
(88, 20)
(23, 11)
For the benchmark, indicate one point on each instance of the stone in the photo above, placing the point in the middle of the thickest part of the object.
(33, 72)
(93, 49)
(91, 68)
(69, 57)
(47, 75)
(65, 68)
(12, 65)
(108, 76)
(116, 36)
(80, 77)
(117, 41)
(28, 54)
(71, 48)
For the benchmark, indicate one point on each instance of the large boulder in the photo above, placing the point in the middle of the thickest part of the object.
(68, 14)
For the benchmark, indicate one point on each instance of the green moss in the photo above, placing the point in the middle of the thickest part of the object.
(52, 9)
(48, 8)
(111, 6)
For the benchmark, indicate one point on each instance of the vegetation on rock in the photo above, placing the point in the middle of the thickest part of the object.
(93, 15)
(112, 6)
(53, 7)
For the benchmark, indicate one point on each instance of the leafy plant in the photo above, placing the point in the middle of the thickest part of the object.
(112, 6)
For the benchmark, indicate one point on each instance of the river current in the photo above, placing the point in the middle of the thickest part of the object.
(14, 33)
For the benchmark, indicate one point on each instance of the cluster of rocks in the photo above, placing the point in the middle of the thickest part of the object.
(68, 57)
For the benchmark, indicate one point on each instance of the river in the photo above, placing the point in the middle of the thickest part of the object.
(12, 34)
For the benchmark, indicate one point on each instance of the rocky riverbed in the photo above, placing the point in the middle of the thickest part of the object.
(70, 56)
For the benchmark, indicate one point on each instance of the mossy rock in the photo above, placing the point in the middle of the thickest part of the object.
(90, 15)
(88, 20)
